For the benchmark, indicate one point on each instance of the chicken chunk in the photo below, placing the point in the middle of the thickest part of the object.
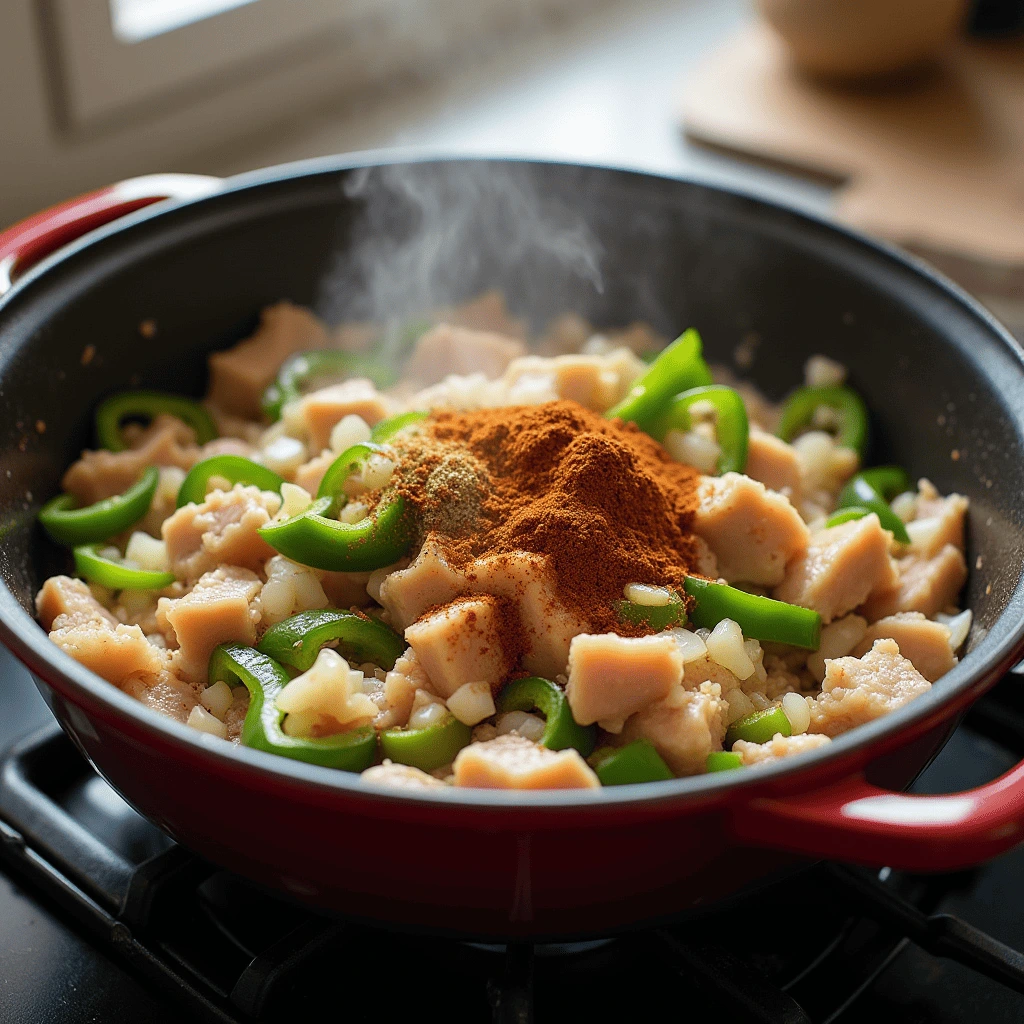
(841, 567)
(446, 349)
(922, 642)
(400, 776)
(462, 642)
(486, 312)
(926, 585)
(939, 521)
(319, 411)
(859, 690)
(611, 677)
(102, 474)
(220, 531)
(684, 727)
(309, 474)
(514, 762)
(428, 582)
(778, 747)
(547, 626)
(775, 463)
(595, 381)
(239, 376)
(219, 608)
(753, 532)
(81, 627)
(325, 699)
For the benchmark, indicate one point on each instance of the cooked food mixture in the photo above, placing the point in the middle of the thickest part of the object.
(596, 564)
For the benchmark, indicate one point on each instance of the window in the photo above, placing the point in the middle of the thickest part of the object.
(115, 56)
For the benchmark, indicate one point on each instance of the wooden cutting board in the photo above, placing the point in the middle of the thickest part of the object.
(935, 164)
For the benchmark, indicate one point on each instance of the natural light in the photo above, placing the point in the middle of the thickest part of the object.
(135, 20)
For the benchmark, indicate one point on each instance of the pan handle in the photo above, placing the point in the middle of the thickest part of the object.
(853, 820)
(27, 242)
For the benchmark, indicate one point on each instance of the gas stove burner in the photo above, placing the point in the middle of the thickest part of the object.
(820, 946)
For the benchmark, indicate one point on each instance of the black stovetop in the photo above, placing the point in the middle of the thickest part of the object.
(103, 918)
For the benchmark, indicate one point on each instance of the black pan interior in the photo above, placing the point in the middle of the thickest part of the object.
(944, 385)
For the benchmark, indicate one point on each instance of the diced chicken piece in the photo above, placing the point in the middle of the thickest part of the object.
(486, 312)
(774, 463)
(309, 474)
(345, 589)
(566, 333)
(925, 644)
(446, 349)
(220, 531)
(841, 567)
(778, 747)
(102, 474)
(400, 776)
(753, 532)
(939, 521)
(239, 376)
(428, 582)
(684, 727)
(226, 446)
(462, 642)
(825, 465)
(859, 690)
(165, 694)
(218, 609)
(926, 585)
(320, 410)
(514, 762)
(611, 677)
(595, 381)
(86, 631)
(547, 626)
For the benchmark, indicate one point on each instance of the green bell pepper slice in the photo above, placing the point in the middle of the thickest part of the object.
(846, 515)
(147, 405)
(873, 489)
(723, 761)
(732, 427)
(625, 766)
(680, 367)
(299, 372)
(73, 526)
(799, 409)
(297, 641)
(761, 618)
(759, 726)
(316, 537)
(427, 748)
(386, 429)
(264, 678)
(561, 730)
(654, 616)
(92, 566)
(234, 468)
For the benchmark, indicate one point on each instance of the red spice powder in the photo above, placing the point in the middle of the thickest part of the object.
(598, 496)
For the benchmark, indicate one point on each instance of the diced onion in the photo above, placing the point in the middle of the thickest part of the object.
(201, 720)
(647, 595)
(426, 714)
(822, 372)
(147, 552)
(959, 626)
(797, 711)
(837, 640)
(217, 699)
(691, 646)
(472, 703)
(349, 430)
(693, 449)
(354, 512)
(740, 705)
(529, 726)
(295, 499)
(284, 455)
(725, 646)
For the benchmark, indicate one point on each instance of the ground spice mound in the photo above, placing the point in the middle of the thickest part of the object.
(598, 496)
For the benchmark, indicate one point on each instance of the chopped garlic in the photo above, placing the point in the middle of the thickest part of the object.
(797, 711)
(201, 720)
(354, 512)
(693, 449)
(349, 430)
(294, 499)
(690, 644)
(837, 640)
(328, 689)
(217, 699)
(959, 626)
(647, 595)
(522, 722)
(725, 646)
(740, 705)
(147, 552)
(472, 703)
(284, 455)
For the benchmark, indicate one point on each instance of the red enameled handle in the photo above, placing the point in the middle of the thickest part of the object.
(855, 821)
(27, 242)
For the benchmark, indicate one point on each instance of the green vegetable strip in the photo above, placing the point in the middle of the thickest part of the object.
(678, 368)
(723, 761)
(656, 617)
(561, 730)
(92, 566)
(427, 748)
(732, 427)
(386, 429)
(302, 371)
(759, 727)
(147, 405)
(846, 515)
(759, 617)
(264, 678)
(234, 468)
(297, 641)
(332, 484)
(799, 409)
(871, 489)
(73, 526)
(625, 766)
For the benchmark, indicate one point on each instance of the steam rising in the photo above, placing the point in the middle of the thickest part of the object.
(430, 235)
